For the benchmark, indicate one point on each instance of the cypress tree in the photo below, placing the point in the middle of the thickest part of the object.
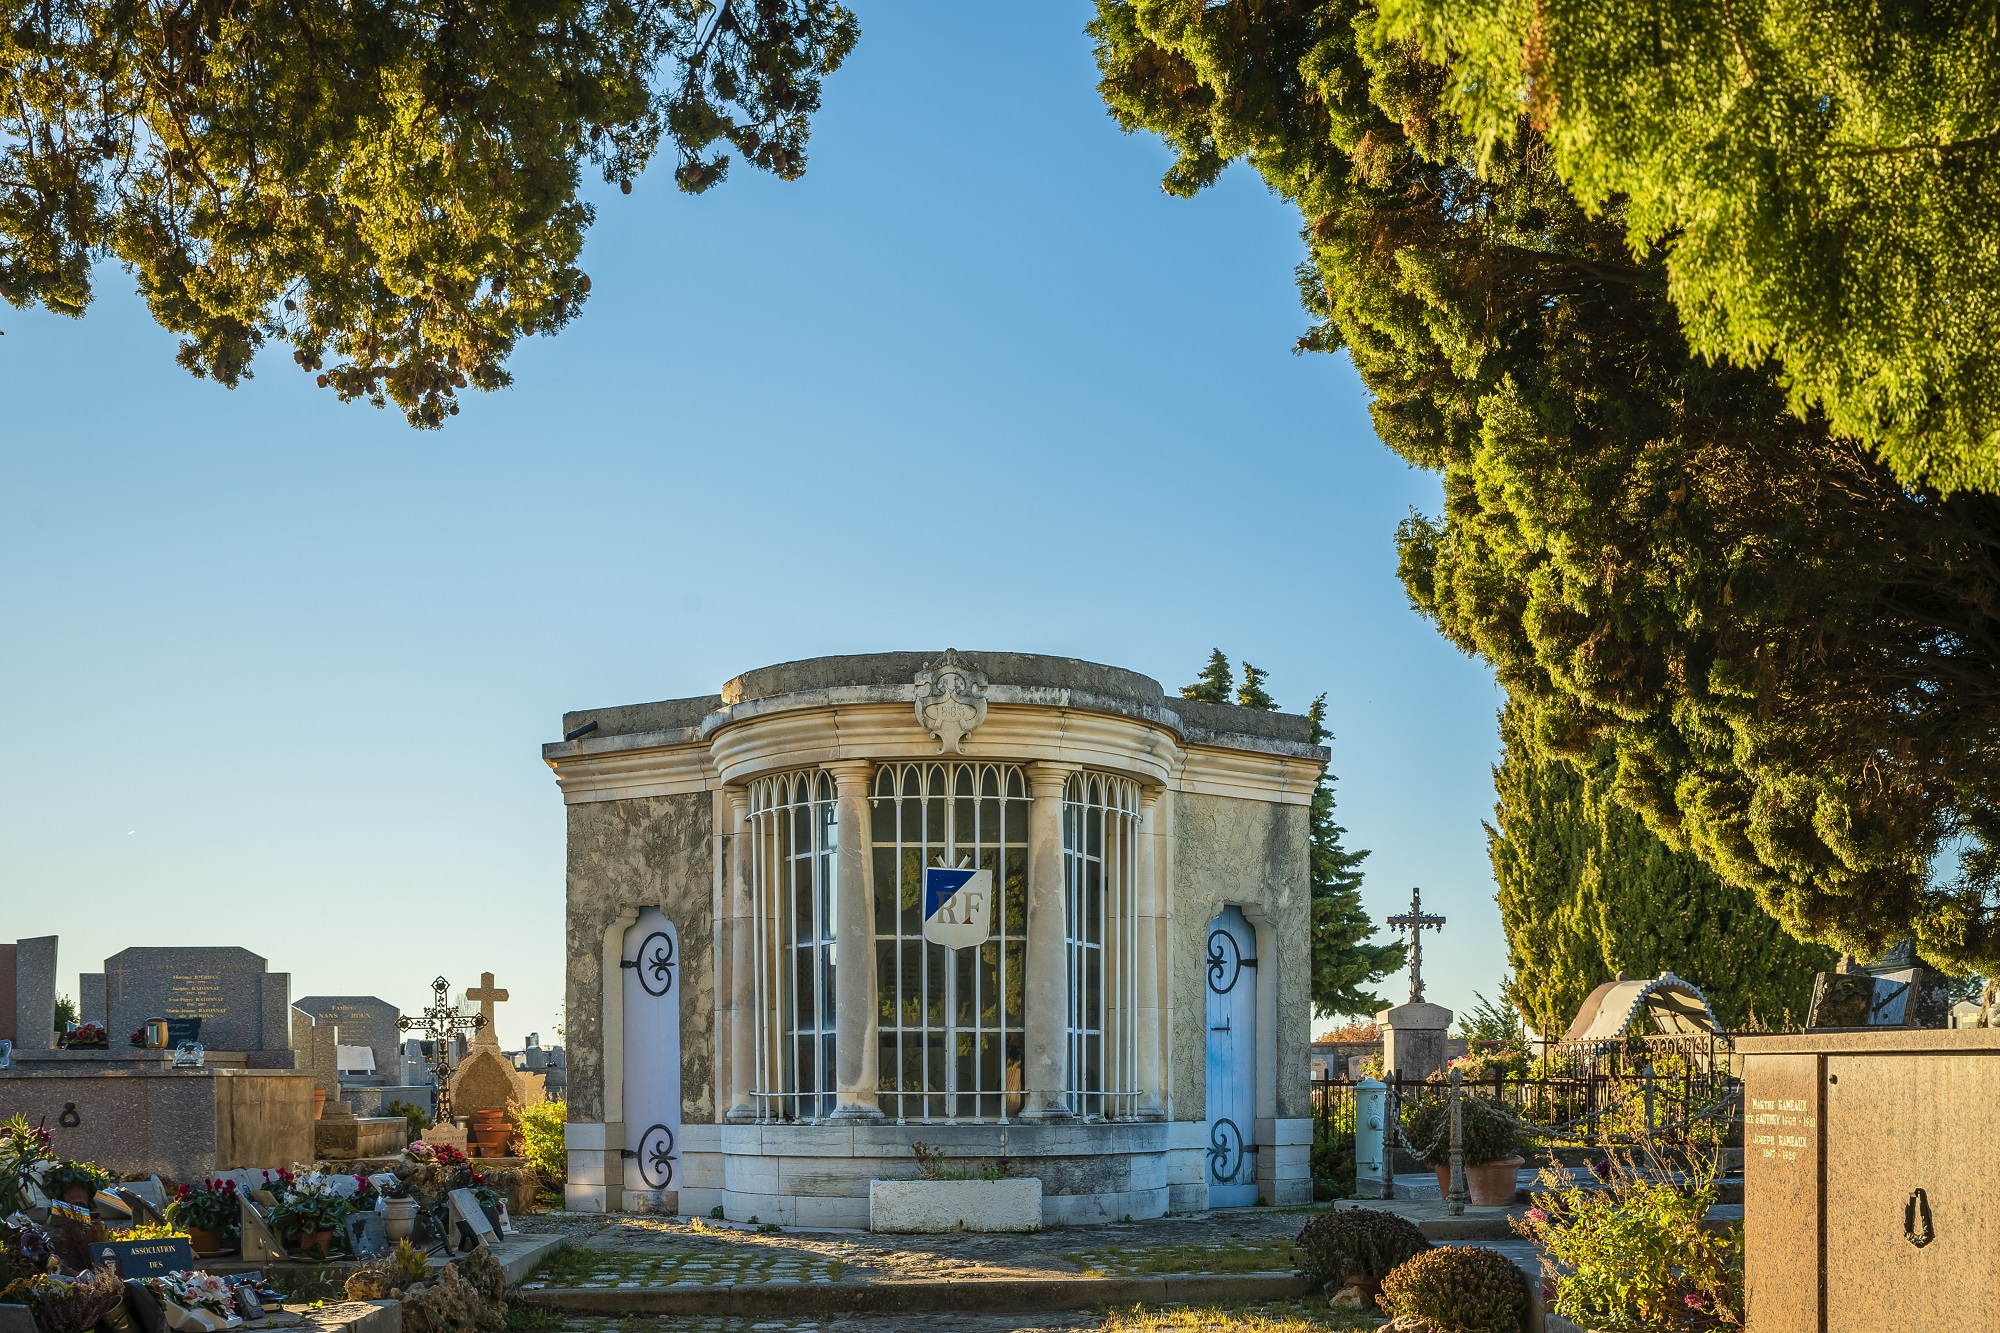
(1586, 892)
(1215, 682)
(1252, 694)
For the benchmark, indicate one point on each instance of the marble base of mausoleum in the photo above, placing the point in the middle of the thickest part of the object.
(819, 1174)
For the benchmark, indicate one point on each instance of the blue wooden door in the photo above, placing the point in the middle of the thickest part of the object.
(1231, 969)
(650, 968)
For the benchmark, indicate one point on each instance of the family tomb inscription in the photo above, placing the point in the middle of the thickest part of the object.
(223, 997)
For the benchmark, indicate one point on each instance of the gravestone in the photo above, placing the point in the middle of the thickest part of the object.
(242, 1006)
(363, 1020)
(486, 1079)
(367, 1234)
(28, 993)
(465, 1209)
(259, 1241)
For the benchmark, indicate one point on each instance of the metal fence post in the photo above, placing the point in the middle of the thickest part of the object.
(1372, 1178)
(1459, 1193)
(1646, 1073)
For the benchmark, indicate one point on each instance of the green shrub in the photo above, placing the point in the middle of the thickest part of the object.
(1486, 1132)
(1333, 1168)
(1357, 1242)
(1458, 1289)
(542, 1137)
(418, 1120)
(1635, 1254)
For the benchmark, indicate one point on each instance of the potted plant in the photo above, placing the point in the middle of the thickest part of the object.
(209, 1211)
(24, 1151)
(74, 1182)
(310, 1211)
(399, 1210)
(73, 1305)
(1489, 1141)
(1356, 1248)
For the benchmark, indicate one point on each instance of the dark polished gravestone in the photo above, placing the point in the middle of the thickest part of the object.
(242, 1006)
(363, 1020)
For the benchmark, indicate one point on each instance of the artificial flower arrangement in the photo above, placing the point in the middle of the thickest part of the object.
(24, 1252)
(88, 1037)
(420, 1151)
(213, 1205)
(195, 1301)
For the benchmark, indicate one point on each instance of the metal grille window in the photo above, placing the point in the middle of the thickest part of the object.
(950, 1019)
(1100, 890)
(794, 838)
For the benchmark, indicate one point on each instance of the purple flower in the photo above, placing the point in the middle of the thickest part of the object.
(1692, 1301)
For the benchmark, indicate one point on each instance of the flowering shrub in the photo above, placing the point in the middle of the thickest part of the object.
(24, 1150)
(1635, 1254)
(75, 1305)
(212, 1205)
(542, 1137)
(1459, 1287)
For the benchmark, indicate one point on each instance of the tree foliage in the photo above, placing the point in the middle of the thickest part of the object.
(1587, 892)
(1824, 179)
(1214, 683)
(391, 189)
(1739, 623)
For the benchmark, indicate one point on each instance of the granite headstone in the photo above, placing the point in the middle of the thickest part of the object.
(363, 1020)
(242, 1006)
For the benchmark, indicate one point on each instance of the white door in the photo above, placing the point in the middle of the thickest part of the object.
(1231, 969)
(650, 967)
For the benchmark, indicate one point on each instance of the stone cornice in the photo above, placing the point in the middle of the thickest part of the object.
(738, 742)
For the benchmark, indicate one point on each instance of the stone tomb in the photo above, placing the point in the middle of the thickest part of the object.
(368, 1023)
(486, 1079)
(242, 1005)
(718, 1059)
(338, 1133)
(1866, 1178)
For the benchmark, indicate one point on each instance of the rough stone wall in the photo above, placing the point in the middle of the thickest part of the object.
(1254, 854)
(657, 851)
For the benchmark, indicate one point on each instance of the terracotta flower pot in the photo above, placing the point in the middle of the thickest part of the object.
(1490, 1184)
(1371, 1287)
(321, 1241)
(204, 1242)
(80, 1195)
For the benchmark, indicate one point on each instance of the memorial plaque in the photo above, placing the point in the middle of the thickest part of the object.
(363, 1020)
(465, 1208)
(367, 1234)
(228, 990)
(1781, 1110)
(144, 1258)
(260, 1242)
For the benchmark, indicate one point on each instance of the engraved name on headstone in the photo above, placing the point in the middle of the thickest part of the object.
(242, 1006)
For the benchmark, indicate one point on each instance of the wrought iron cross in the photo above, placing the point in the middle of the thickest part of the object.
(440, 1023)
(1416, 921)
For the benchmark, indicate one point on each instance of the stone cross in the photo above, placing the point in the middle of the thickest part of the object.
(486, 995)
(1416, 921)
(440, 1023)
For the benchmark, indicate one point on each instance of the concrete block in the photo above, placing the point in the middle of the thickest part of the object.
(698, 1201)
(840, 1212)
(1284, 1131)
(824, 1177)
(584, 1198)
(917, 1206)
(1187, 1198)
(585, 1135)
(700, 1138)
(1092, 1209)
(701, 1170)
(807, 1140)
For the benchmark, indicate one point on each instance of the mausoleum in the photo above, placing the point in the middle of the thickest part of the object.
(1015, 907)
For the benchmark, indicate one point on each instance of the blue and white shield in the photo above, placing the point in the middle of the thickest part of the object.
(958, 906)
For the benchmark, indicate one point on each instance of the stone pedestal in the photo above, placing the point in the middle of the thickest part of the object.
(1413, 1038)
(349, 1137)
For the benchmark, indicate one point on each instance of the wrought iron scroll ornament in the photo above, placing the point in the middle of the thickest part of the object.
(1225, 1151)
(951, 701)
(1225, 961)
(1917, 1227)
(655, 963)
(655, 1155)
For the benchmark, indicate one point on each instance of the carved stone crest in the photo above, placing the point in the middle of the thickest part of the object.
(951, 701)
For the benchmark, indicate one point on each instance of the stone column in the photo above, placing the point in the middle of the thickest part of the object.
(855, 1016)
(743, 1015)
(1151, 945)
(1045, 997)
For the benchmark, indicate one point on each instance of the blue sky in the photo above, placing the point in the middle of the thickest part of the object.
(277, 669)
